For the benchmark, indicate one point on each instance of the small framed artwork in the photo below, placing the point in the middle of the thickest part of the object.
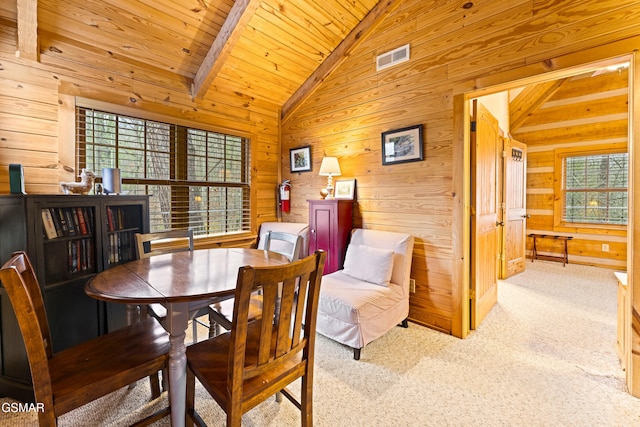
(402, 145)
(300, 159)
(345, 189)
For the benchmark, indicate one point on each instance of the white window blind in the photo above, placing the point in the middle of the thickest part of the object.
(197, 178)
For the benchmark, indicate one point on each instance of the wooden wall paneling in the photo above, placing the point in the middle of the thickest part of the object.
(347, 112)
(527, 44)
(590, 84)
(134, 36)
(580, 101)
(453, 50)
(192, 12)
(9, 10)
(529, 100)
(223, 44)
(589, 132)
(114, 79)
(541, 201)
(62, 53)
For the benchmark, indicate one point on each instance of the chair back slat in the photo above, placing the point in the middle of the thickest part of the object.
(20, 283)
(163, 242)
(287, 244)
(281, 337)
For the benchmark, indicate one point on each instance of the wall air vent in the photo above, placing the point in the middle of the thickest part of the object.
(393, 57)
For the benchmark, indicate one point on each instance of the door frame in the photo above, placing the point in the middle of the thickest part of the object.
(567, 66)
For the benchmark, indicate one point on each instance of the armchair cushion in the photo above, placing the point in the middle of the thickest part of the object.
(373, 265)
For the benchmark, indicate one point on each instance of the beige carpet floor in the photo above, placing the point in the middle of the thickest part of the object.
(544, 356)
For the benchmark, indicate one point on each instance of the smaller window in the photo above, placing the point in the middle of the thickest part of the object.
(593, 187)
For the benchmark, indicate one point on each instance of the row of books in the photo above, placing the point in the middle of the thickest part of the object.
(65, 222)
(81, 254)
(115, 219)
(121, 247)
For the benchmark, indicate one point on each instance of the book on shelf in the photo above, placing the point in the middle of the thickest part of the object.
(78, 216)
(80, 255)
(48, 224)
(110, 219)
(91, 220)
(69, 222)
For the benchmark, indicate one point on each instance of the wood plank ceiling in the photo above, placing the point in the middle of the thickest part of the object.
(261, 49)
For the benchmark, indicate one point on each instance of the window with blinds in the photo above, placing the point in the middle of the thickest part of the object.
(595, 189)
(197, 178)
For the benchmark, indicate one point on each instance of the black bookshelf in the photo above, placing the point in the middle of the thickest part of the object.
(69, 238)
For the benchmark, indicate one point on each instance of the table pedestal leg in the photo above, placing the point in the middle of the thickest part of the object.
(176, 324)
(133, 314)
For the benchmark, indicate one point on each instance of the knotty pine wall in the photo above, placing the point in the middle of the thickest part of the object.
(453, 50)
(586, 110)
(34, 97)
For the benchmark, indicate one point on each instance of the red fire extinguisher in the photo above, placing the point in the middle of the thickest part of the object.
(285, 196)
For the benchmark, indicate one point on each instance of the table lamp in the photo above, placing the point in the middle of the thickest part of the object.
(330, 168)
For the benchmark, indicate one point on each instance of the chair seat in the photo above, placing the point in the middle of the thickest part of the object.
(95, 368)
(351, 300)
(222, 312)
(209, 361)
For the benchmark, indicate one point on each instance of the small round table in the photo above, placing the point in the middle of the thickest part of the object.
(183, 282)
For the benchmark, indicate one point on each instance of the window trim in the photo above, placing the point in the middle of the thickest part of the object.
(69, 125)
(559, 195)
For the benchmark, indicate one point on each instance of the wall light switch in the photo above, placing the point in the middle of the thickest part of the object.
(605, 247)
(412, 286)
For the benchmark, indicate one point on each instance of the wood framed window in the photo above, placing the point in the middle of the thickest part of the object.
(591, 188)
(198, 178)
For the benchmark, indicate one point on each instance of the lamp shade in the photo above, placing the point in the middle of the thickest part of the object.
(330, 167)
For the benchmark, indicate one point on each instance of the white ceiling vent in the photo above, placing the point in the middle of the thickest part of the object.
(393, 57)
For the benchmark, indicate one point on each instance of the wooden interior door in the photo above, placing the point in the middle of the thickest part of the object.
(515, 205)
(486, 148)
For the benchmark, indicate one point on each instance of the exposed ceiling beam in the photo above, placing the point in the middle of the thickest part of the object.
(231, 31)
(380, 11)
(27, 17)
(530, 99)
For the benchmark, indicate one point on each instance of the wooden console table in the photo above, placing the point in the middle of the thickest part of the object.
(564, 258)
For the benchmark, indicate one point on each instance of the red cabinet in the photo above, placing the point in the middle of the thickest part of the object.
(330, 222)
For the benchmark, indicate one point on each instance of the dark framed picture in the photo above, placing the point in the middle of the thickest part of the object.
(402, 145)
(300, 159)
(345, 189)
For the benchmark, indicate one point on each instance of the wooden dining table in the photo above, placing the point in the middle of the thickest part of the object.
(183, 282)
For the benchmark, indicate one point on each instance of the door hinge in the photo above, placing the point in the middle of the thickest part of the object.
(473, 126)
(504, 154)
(472, 294)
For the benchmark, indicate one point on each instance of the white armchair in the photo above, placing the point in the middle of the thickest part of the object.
(370, 295)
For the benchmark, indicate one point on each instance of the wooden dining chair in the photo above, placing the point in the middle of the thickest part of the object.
(221, 312)
(163, 242)
(258, 358)
(78, 375)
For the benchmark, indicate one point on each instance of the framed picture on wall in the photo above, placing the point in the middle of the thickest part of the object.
(300, 159)
(345, 189)
(402, 145)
